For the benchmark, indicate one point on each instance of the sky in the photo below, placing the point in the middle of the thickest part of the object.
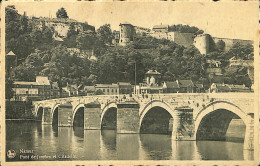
(237, 20)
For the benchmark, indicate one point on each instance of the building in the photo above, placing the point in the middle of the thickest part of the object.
(55, 90)
(127, 33)
(218, 88)
(179, 86)
(89, 90)
(107, 89)
(38, 90)
(200, 88)
(152, 77)
(114, 89)
(144, 88)
(151, 83)
(170, 87)
(73, 90)
(125, 87)
(116, 37)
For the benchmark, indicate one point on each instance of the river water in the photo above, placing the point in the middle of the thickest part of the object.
(67, 143)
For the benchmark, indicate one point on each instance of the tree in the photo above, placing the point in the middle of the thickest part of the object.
(8, 89)
(62, 13)
(240, 51)
(105, 34)
(86, 40)
(220, 45)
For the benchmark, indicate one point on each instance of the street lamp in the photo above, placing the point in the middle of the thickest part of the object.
(135, 77)
(134, 61)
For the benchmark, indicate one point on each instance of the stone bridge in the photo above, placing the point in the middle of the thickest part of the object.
(189, 116)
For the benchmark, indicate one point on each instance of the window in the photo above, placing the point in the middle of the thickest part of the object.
(107, 90)
(112, 90)
(103, 90)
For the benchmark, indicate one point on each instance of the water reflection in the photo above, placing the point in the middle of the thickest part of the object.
(156, 146)
(127, 146)
(183, 150)
(108, 145)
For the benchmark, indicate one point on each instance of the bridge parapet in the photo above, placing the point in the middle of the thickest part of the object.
(192, 100)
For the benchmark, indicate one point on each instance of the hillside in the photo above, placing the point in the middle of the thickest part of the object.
(70, 60)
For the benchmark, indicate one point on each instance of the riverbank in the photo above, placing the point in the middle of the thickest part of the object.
(19, 110)
(23, 120)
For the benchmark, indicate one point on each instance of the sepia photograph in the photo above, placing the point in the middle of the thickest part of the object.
(130, 81)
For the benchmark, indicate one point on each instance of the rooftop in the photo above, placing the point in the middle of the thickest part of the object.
(171, 84)
(160, 27)
(185, 83)
(106, 85)
(231, 87)
(11, 53)
(179, 84)
(125, 23)
(40, 80)
(89, 88)
(24, 83)
(153, 72)
(124, 83)
(199, 85)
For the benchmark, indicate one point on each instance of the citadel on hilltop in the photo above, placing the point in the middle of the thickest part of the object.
(203, 42)
(128, 33)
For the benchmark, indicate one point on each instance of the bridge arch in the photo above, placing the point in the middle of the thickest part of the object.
(108, 119)
(155, 117)
(75, 111)
(39, 112)
(225, 109)
(155, 103)
(54, 114)
(54, 108)
(106, 108)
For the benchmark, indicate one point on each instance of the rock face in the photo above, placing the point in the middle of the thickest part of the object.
(61, 27)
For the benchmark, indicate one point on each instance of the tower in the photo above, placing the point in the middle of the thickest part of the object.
(201, 42)
(127, 32)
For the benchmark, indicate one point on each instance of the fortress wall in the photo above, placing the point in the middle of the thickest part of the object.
(230, 42)
(184, 39)
(160, 35)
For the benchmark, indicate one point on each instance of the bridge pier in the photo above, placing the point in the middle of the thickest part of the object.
(249, 135)
(128, 117)
(46, 116)
(92, 118)
(65, 114)
(183, 124)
